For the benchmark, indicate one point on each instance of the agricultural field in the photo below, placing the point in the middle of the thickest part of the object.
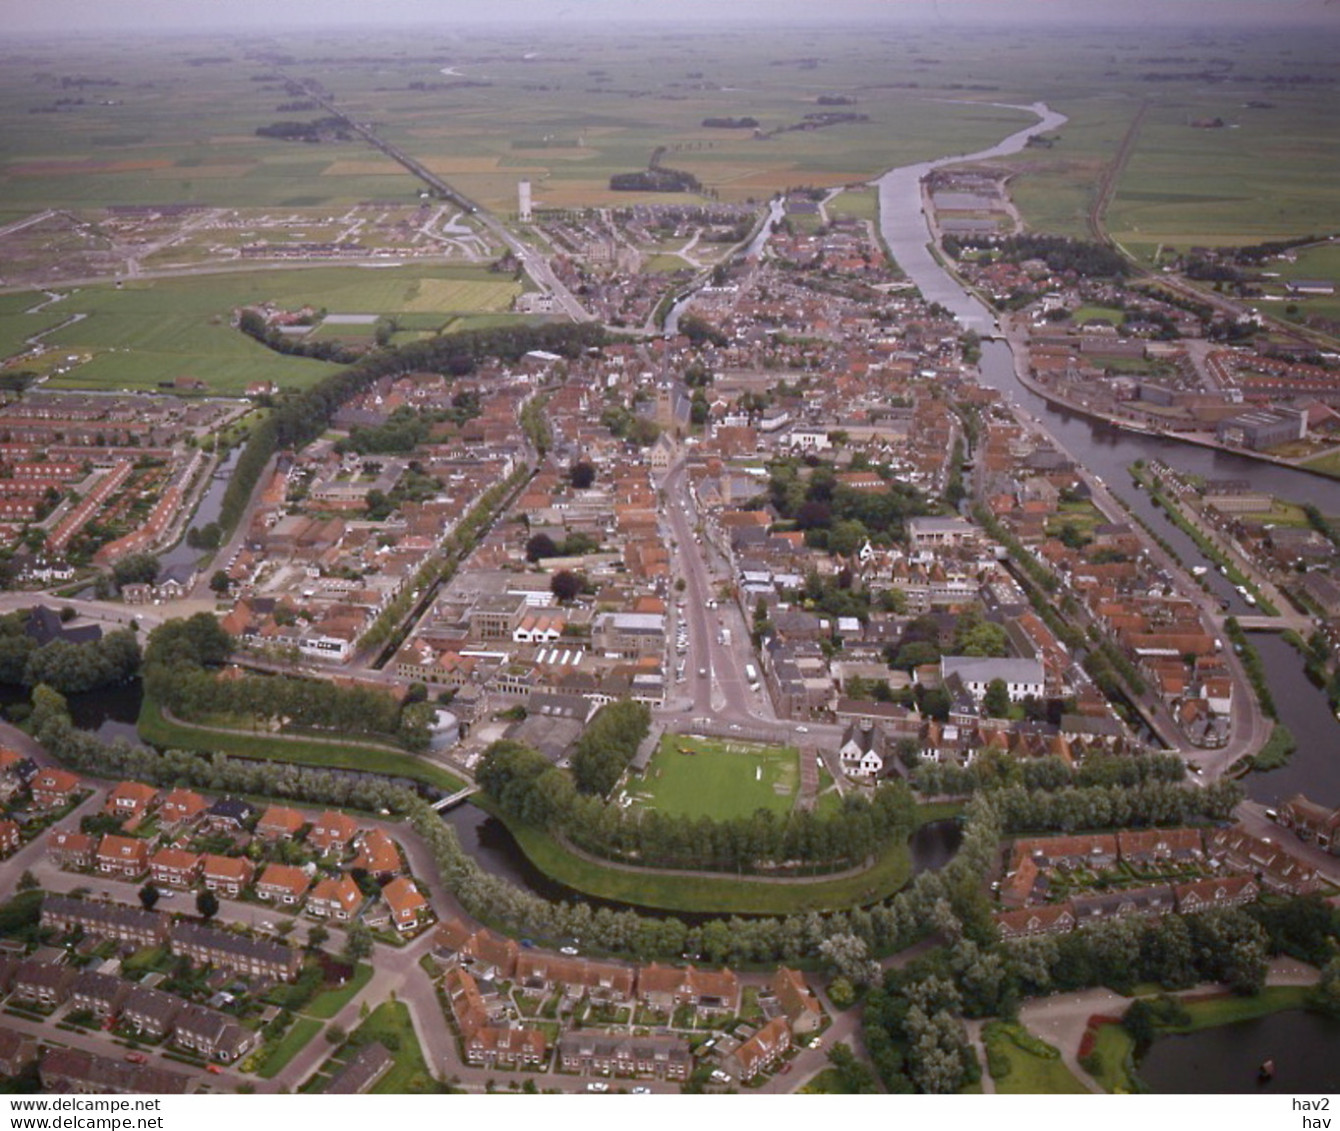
(704, 777)
(146, 332)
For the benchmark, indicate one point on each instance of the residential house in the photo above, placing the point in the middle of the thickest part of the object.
(235, 951)
(174, 867)
(53, 788)
(99, 994)
(605, 1054)
(150, 1012)
(69, 849)
(1022, 677)
(763, 1050)
(335, 899)
(103, 919)
(864, 750)
(283, 884)
(229, 815)
(279, 822)
(213, 1035)
(1045, 919)
(378, 854)
(42, 983)
(409, 909)
(1219, 891)
(17, 1052)
(226, 875)
(1276, 867)
(1312, 822)
(367, 1066)
(126, 857)
(799, 1005)
(10, 838)
(331, 832)
(706, 991)
(180, 808)
(130, 800)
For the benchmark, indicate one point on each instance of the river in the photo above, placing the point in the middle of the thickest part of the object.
(1108, 452)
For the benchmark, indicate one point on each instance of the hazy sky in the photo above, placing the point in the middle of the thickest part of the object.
(262, 15)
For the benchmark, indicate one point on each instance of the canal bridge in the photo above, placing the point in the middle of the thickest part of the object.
(454, 799)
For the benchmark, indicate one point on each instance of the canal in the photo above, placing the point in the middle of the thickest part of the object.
(1109, 452)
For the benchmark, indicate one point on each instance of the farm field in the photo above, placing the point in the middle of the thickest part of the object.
(703, 777)
(151, 331)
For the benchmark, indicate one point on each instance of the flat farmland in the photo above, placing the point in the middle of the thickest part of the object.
(701, 777)
(158, 330)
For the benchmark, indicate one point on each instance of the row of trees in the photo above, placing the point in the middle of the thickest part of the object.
(84, 752)
(994, 770)
(70, 668)
(526, 786)
(608, 745)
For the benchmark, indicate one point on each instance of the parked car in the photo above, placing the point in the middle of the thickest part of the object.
(597, 1086)
(137, 1058)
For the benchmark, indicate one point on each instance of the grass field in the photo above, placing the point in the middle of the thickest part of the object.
(702, 777)
(292, 1043)
(153, 727)
(390, 1024)
(329, 1002)
(1034, 1067)
(156, 330)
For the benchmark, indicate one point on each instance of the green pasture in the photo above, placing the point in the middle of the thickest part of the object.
(701, 777)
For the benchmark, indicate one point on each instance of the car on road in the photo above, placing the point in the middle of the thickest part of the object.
(641, 1090)
(568, 950)
(702, 673)
(719, 1077)
(597, 1086)
(802, 730)
(214, 1070)
(137, 1058)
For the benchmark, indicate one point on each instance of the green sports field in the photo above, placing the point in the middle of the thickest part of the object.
(706, 777)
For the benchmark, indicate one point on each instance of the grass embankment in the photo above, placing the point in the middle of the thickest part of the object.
(724, 894)
(1022, 1064)
(155, 728)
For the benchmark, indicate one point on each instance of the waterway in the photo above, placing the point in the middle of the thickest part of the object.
(496, 851)
(211, 503)
(1225, 1059)
(1108, 452)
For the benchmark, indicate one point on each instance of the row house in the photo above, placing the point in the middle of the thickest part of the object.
(1312, 823)
(1151, 902)
(604, 1054)
(105, 920)
(122, 856)
(234, 951)
(484, 1043)
(603, 981)
(67, 1070)
(150, 1012)
(42, 983)
(174, 868)
(1219, 891)
(1278, 869)
(1097, 850)
(99, 994)
(1143, 847)
(492, 955)
(1046, 919)
(213, 1035)
(706, 991)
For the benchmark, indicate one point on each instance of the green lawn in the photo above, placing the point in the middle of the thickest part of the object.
(154, 728)
(390, 1024)
(1032, 1067)
(293, 1042)
(329, 1002)
(1114, 1047)
(1225, 1010)
(702, 777)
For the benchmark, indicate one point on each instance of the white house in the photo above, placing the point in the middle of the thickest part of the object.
(864, 750)
(1022, 677)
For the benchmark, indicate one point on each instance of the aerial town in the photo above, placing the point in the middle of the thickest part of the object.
(709, 644)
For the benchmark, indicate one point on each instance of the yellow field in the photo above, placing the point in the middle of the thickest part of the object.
(433, 295)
